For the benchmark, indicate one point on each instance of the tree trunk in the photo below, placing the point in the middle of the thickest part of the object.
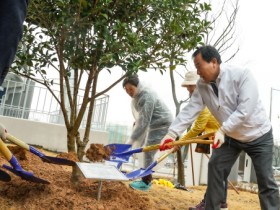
(180, 161)
(81, 146)
(75, 176)
(70, 142)
(181, 171)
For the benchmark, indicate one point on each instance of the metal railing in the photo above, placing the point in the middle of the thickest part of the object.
(28, 100)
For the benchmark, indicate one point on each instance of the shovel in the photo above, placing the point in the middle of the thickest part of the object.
(125, 154)
(28, 176)
(144, 172)
(48, 159)
(119, 149)
(17, 169)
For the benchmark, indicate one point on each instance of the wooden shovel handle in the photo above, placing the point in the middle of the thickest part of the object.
(161, 158)
(17, 141)
(198, 137)
(175, 143)
(5, 150)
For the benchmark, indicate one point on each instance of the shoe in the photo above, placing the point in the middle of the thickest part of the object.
(140, 185)
(182, 187)
(223, 206)
(200, 206)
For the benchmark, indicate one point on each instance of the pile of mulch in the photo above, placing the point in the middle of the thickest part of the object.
(98, 153)
(61, 193)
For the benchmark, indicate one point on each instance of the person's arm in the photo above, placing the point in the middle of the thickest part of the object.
(183, 120)
(199, 125)
(187, 115)
(146, 106)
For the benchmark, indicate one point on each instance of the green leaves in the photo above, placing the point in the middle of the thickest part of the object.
(95, 35)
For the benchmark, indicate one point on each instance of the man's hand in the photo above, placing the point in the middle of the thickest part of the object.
(165, 145)
(164, 142)
(219, 139)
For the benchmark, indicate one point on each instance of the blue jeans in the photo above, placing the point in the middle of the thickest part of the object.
(12, 16)
(219, 166)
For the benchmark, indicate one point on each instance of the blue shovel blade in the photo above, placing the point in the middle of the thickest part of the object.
(26, 175)
(118, 148)
(139, 173)
(5, 177)
(59, 161)
(119, 158)
(49, 159)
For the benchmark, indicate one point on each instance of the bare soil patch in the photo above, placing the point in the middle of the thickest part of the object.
(62, 194)
(98, 153)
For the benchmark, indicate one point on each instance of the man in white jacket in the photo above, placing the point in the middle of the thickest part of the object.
(231, 94)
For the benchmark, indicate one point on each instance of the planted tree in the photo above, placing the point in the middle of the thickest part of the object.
(78, 39)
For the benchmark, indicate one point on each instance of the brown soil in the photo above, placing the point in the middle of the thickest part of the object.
(98, 153)
(62, 194)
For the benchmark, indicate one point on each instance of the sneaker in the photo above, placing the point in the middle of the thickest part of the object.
(140, 185)
(200, 206)
(223, 206)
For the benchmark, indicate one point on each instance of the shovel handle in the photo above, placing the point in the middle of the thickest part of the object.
(5, 150)
(207, 135)
(17, 141)
(178, 143)
(183, 141)
(24, 145)
(161, 158)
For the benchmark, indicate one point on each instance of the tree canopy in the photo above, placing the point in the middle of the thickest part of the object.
(81, 38)
(86, 35)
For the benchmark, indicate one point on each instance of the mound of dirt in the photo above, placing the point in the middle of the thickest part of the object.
(70, 156)
(62, 194)
(98, 153)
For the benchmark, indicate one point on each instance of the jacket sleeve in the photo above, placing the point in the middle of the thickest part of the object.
(187, 115)
(199, 125)
(146, 106)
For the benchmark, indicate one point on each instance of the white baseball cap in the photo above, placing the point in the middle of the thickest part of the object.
(191, 78)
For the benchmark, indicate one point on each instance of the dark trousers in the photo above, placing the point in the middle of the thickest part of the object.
(12, 16)
(154, 137)
(219, 166)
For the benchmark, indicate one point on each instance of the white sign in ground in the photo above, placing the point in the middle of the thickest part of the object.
(101, 172)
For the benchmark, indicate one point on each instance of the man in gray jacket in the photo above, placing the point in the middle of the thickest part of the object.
(231, 94)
